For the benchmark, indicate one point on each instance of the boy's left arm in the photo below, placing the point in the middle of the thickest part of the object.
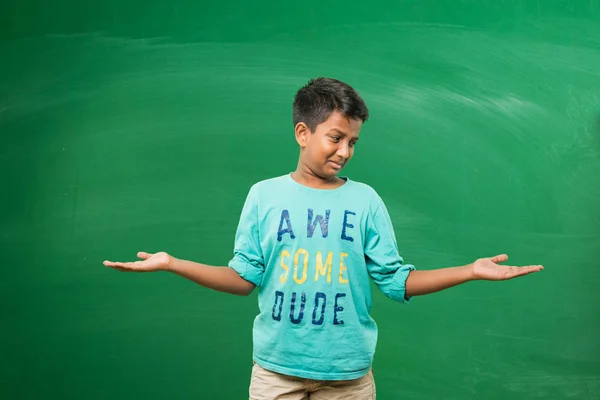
(420, 282)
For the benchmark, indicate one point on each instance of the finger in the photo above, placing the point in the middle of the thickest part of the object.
(112, 263)
(499, 258)
(130, 266)
(143, 255)
(520, 271)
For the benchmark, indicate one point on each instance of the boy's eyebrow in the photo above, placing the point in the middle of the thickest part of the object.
(341, 133)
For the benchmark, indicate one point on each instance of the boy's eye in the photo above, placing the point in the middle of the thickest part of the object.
(335, 138)
(352, 144)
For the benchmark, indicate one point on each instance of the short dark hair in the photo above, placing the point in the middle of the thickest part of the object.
(320, 97)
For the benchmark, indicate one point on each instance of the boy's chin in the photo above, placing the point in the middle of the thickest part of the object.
(329, 175)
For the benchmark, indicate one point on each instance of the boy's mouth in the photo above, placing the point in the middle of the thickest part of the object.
(336, 165)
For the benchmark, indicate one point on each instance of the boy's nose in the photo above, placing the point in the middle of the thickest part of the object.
(343, 151)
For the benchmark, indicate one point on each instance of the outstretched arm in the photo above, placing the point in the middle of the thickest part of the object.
(430, 281)
(222, 279)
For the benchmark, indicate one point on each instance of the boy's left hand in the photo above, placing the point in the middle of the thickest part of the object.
(488, 269)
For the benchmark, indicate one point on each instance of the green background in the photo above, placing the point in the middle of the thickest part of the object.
(140, 125)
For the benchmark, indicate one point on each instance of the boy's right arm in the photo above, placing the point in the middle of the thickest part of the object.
(222, 279)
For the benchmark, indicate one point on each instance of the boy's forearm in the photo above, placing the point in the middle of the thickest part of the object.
(222, 279)
(430, 281)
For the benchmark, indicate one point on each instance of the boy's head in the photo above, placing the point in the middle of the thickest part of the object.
(328, 115)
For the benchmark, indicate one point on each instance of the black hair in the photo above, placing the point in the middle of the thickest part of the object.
(320, 97)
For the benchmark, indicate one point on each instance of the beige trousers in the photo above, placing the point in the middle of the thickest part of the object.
(268, 385)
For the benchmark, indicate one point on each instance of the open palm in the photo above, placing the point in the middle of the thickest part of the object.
(489, 269)
(151, 262)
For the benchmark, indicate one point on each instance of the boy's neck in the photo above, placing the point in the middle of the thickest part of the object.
(308, 178)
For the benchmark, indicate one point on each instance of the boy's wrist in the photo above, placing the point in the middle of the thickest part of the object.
(469, 272)
(170, 267)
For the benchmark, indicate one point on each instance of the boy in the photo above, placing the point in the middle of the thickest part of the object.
(312, 241)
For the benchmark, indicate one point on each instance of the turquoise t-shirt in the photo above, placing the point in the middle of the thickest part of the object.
(312, 253)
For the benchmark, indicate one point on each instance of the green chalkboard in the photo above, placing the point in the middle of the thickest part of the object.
(140, 125)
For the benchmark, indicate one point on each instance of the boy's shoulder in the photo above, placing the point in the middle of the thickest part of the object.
(268, 186)
(364, 188)
(368, 196)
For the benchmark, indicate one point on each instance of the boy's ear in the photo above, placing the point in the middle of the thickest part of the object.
(302, 131)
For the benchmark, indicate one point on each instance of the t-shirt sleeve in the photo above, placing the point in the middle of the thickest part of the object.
(248, 259)
(385, 265)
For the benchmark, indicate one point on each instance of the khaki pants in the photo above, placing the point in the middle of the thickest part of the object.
(268, 385)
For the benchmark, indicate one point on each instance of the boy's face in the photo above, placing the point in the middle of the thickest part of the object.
(329, 148)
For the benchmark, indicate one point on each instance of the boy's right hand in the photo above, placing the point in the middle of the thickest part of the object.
(160, 261)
